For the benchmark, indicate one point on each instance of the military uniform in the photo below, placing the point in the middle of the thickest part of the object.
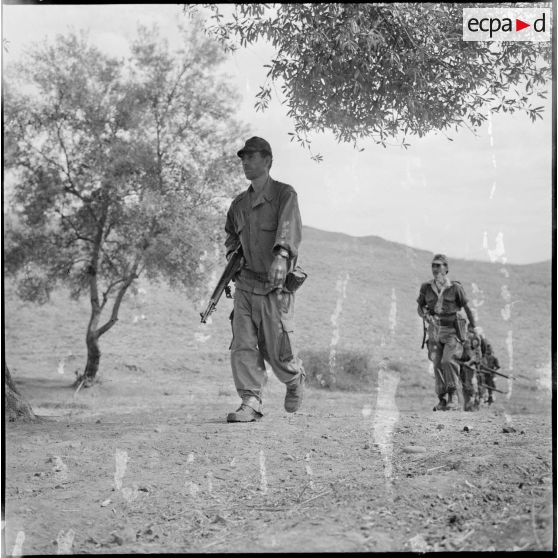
(472, 356)
(439, 303)
(443, 342)
(490, 361)
(263, 316)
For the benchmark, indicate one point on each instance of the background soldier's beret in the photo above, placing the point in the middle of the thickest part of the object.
(255, 144)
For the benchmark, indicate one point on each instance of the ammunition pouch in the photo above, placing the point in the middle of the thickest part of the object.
(294, 279)
(461, 328)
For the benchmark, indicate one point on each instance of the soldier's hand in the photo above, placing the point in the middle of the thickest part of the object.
(278, 271)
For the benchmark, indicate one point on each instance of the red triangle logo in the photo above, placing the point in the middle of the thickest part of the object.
(519, 25)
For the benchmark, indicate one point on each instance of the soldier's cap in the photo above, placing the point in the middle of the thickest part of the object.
(255, 144)
(440, 258)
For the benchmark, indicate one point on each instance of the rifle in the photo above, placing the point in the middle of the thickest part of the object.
(492, 371)
(231, 269)
(482, 368)
(424, 328)
(492, 388)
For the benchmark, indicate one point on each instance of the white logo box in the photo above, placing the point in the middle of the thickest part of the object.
(501, 24)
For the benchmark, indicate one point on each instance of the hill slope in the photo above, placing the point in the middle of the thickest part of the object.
(144, 461)
(382, 280)
(360, 297)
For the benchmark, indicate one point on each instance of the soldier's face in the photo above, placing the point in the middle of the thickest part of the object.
(254, 164)
(439, 270)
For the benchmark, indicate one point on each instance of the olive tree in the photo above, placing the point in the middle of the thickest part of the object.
(383, 70)
(120, 169)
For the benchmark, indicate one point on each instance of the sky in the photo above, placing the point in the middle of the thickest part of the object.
(484, 196)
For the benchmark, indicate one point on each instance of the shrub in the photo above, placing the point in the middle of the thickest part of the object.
(348, 370)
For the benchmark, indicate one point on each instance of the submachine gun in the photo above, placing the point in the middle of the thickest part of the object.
(232, 268)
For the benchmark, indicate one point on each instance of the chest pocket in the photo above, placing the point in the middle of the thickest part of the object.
(449, 295)
(268, 226)
(240, 222)
(431, 299)
(265, 216)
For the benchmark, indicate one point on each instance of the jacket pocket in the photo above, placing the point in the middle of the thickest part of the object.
(449, 296)
(461, 328)
(240, 222)
(231, 317)
(269, 226)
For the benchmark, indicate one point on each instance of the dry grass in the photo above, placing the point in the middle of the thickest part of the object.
(359, 300)
(344, 370)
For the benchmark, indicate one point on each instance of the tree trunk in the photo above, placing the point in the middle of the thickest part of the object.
(94, 332)
(17, 407)
(93, 357)
(87, 378)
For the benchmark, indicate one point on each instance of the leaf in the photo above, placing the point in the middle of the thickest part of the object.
(336, 77)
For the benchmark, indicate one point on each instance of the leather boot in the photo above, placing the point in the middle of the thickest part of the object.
(441, 406)
(452, 404)
(244, 414)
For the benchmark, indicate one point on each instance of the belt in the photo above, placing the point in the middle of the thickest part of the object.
(446, 320)
(248, 273)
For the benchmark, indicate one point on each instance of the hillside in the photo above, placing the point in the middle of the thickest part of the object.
(144, 462)
(513, 303)
(360, 297)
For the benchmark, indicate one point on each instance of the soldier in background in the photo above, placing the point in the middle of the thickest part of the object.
(470, 368)
(439, 302)
(490, 361)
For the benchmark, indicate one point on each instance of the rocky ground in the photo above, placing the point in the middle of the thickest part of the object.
(145, 463)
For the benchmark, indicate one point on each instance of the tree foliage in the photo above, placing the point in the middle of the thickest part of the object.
(120, 167)
(384, 71)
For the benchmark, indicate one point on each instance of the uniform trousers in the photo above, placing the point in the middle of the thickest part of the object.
(443, 346)
(263, 330)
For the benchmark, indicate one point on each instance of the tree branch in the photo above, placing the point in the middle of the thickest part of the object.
(94, 265)
(122, 291)
(108, 290)
(65, 151)
(66, 219)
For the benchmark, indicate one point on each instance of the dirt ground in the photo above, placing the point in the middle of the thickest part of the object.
(145, 463)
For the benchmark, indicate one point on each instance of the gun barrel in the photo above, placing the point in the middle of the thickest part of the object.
(210, 307)
(492, 388)
(465, 364)
(486, 369)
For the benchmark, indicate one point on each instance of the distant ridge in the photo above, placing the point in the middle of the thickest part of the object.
(361, 295)
(378, 241)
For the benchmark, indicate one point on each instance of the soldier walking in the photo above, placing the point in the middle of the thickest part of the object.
(490, 361)
(439, 302)
(470, 369)
(265, 221)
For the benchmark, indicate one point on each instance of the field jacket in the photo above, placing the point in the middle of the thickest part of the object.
(453, 298)
(262, 223)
